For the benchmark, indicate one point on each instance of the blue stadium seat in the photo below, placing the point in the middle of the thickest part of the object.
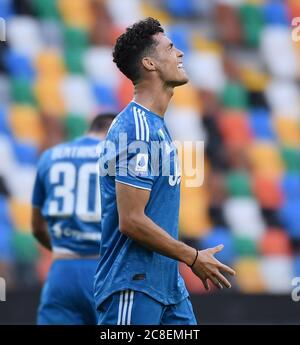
(220, 235)
(261, 124)
(105, 96)
(19, 66)
(6, 230)
(6, 8)
(25, 153)
(291, 186)
(4, 212)
(276, 13)
(179, 8)
(296, 264)
(4, 126)
(5, 243)
(179, 35)
(289, 215)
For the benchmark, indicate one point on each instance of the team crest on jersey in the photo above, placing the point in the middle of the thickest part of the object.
(141, 164)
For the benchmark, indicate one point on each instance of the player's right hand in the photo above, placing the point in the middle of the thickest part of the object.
(207, 267)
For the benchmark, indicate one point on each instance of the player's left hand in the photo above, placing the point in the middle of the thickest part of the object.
(207, 267)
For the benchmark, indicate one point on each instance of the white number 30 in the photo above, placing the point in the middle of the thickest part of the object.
(67, 191)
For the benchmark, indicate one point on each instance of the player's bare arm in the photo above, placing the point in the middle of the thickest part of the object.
(39, 228)
(135, 224)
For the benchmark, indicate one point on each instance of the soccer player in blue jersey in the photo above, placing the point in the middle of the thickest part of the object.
(137, 279)
(66, 220)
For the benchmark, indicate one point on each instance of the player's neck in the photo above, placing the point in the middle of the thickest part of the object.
(97, 135)
(154, 97)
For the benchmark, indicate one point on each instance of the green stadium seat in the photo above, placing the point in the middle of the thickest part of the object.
(21, 91)
(291, 158)
(234, 96)
(74, 60)
(46, 9)
(75, 37)
(24, 247)
(75, 126)
(238, 184)
(252, 23)
(76, 42)
(245, 247)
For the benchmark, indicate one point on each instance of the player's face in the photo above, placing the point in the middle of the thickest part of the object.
(169, 62)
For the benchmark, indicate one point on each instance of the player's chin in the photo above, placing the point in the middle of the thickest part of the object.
(181, 81)
(182, 78)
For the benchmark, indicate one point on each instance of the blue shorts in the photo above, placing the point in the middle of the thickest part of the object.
(68, 297)
(131, 307)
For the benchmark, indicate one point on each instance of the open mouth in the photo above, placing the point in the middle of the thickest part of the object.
(180, 65)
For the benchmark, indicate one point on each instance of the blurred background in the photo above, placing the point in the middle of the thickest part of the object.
(243, 101)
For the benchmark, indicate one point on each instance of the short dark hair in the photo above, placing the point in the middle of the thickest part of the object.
(133, 44)
(101, 122)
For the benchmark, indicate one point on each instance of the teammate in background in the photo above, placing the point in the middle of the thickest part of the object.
(137, 279)
(66, 220)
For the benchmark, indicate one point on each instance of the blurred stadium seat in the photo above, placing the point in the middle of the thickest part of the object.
(223, 236)
(268, 191)
(273, 267)
(235, 128)
(6, 8)
(291, 158)
(238, 184)
(74, 125)
(261, 124)
(49, 63)
(291, 185)
(25, 124)
(21, 215)
(275, 242)
(19, 65)
(244, 217)
(275, 13)
(4, 122)
(252, 22)
(265, 158)
(249, 276)
(289, 214)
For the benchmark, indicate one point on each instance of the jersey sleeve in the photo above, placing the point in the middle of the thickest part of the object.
(135, 165)
(39, 193)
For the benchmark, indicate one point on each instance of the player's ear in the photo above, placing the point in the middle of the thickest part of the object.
(148, 63)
